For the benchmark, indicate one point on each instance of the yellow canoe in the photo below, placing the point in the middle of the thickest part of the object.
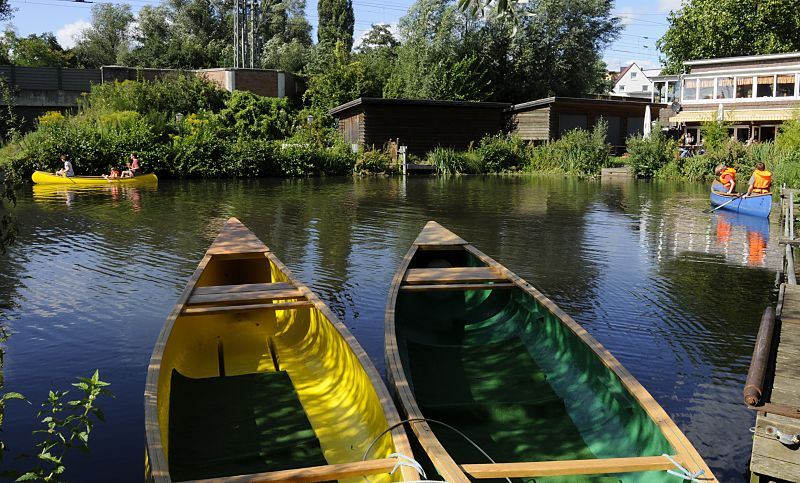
(253, 375)
(42, 177)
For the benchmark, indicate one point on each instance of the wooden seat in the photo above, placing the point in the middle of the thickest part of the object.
(222, 309)
(452, 275)
(241, 294)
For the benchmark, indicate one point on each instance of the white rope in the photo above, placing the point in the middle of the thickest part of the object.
(403, 460)
(682, 472)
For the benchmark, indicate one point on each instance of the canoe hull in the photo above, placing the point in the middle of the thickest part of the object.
(476, 347)
(242, 328)
(41, 177)
(756, 205)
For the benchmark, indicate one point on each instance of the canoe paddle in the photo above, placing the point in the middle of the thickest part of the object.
(723, 204)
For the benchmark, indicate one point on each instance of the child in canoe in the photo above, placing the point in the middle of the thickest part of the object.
(132, 167)
(113, 174)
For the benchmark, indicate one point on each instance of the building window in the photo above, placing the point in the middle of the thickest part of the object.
(785, 85)
(706, 89)
(766, 86)
(622, 88)
(645, 88)
(690, 89)
(725, 88)
(633, 75)
(659, 91)
(744, 87)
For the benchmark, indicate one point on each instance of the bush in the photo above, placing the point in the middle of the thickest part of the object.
(714, 134)
(246, 114)
(578, 152)
(501, 153)
(449, 161)
(789, 135)
(647, 156)
(373, 161)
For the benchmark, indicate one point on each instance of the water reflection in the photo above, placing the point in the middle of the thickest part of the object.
(639, 264)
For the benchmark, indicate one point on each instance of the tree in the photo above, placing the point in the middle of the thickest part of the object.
(704, 29)
(378, 52)
(287, 36)
(336, 22)
(336, 78)
(108, 39)
(34, 50)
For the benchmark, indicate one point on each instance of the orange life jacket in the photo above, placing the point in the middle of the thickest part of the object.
(762, 180)
(727, 176)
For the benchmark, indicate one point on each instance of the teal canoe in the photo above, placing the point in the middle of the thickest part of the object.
(498, 382)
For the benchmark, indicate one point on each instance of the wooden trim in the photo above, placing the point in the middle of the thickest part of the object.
(314, 473)
(239, 297)
(457, 286)
(568, 467)
(779, 409)
(247, 287)
(223, 309)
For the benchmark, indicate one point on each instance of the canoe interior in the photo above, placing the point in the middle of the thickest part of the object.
(501, 368)
(240, 414)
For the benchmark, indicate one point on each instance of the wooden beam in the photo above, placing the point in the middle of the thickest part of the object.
(240, 297)
(315, 473)
(457, 286)
(247, 287)
(246, 308)
(452, 275)
(568, 467)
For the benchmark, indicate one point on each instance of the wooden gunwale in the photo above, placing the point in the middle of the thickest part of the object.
(686, 454)
(154, 450)
(315, 473)
(568, 467)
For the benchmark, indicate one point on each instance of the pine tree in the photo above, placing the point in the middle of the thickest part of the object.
(336, 21)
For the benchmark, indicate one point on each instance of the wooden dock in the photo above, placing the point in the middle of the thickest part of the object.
(619, 172)
(773, 383)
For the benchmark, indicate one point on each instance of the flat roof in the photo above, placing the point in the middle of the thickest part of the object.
(743, 58)
(613, 100)
(417, 102)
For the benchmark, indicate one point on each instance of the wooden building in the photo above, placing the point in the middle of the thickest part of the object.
(421, 125)
(548, 119)
(754, 94)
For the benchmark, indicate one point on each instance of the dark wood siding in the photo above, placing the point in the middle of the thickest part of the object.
(352, 128)
(423, 128)
(533, 125)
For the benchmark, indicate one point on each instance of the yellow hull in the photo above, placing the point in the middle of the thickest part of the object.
(216, 331)
(41, 177)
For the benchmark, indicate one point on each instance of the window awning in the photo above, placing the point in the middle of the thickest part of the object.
(736, 115)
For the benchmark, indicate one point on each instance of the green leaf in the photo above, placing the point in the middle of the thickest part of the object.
(29, 476)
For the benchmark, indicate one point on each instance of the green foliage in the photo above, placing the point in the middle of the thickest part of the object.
(67, 424)
(714, 134)
(40, 50)
(337, 77)
(704, 29)
(374, 161)
(789, 135)
(649, 155)
(449, 161)
(336, 21)
(107, 41)
(246, 114)
(501, 153)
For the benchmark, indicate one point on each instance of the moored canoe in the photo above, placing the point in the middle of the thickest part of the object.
(252, 375)
(42, 177)
(753, 205)
(478, 358)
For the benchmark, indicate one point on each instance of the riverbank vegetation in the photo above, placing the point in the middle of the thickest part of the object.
(658, 156)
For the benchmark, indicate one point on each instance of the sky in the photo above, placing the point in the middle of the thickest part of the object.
(644, 21)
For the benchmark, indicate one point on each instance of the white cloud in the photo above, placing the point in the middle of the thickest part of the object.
(626, 16)
(66, 34)
(668, 5)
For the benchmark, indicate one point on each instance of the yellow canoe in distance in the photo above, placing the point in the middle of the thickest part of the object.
(253, 378)
(42, 177)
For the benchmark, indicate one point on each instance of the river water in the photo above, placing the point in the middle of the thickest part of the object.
(674, 293)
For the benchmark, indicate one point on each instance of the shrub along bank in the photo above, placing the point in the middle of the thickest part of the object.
(658, 156)
(182, 127)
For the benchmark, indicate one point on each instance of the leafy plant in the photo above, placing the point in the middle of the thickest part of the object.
(714, 134)
(501, 153)
(649, 155)
(449, 161)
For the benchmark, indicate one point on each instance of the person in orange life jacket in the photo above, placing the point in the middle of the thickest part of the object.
(727, 177)
(760, 182)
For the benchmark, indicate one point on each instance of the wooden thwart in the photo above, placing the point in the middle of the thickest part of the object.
(452, 275)
(457, 286)
(568, 467)
(245, 308)
(247, 287)
(315, 473)
(240, 297)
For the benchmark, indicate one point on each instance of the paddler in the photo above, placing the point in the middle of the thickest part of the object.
(727, 177)
(760, 182)
(67, 170)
